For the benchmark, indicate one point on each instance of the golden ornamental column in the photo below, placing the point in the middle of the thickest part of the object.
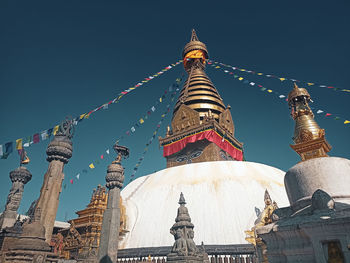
(309, 138)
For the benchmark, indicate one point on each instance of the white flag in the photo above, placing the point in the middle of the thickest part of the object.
(252, 83)
(105, 106)
(281, 96)
(319, 111)
(153, 108)
(78, 175)
(1, 151)
(107, 151)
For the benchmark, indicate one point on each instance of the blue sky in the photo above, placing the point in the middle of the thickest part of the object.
(62, 58)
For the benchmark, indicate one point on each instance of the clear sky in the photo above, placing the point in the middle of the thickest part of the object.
(60, 58)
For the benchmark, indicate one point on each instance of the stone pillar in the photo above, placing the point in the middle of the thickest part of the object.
(111, 218)
(19, 178)
(58, 153)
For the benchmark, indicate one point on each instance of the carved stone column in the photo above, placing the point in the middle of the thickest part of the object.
(19, 178)
(58, 153)
(111, 217)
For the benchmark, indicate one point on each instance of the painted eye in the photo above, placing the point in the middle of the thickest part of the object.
(181, 159)
(196, 154)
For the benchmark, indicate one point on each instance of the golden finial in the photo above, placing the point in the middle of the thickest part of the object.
(194, 36)
(309, 138)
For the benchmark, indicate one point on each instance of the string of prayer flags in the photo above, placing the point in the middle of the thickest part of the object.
(215, 64)
(47, 133)
(153, 109)
(281, 96)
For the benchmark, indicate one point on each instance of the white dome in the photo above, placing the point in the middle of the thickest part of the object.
(221, 199)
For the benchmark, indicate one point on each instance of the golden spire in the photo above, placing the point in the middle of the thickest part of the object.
(309, 138)
(198, 93)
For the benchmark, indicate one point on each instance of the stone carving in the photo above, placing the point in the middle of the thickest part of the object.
(180, 245)
(31, 209)
(66, 129)
(184, 247)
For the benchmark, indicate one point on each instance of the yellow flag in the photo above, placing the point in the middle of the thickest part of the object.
(240, 78)
(132, 88)
(163, 115)
(259, 73)
(217, 67)
(282, 79)
(82, 116)
(160, 99)
(141, 121)
(19, 144)
(269, 90)
(91, 165)
(55, 129)
(87, 116)
(242, 69)
(346, 122)
(310, 84)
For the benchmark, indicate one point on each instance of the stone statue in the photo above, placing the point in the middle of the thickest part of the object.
(191, 246)
(180, 245)
(66, 129)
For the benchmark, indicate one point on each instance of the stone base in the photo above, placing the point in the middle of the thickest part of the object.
(24, 256)
(188, 259)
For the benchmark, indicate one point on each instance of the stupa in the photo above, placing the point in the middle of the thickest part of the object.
(205, 163)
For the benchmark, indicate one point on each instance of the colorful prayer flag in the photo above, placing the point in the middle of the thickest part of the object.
(92, 166)
(153, 108)
(78, 175)
(319, 111)
(101, 156)
(71, 181)
(19, 144)
(133, 129)
(281, 96)
(269, 90)
(43, 135)
(36, 138)
(55, 129)
(346, 122)
(141, 121)
(49, 132)
(328, 114)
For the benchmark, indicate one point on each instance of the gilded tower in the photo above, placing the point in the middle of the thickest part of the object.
(309, 138)
(202, 128)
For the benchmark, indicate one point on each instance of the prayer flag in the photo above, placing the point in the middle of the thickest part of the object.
(281, 96)
(282, 79)
(8, 149)
(101, 156)
(71, 181)
(259, 73)
(252, 83)
(43, 135)
(55, 129)
(141, 121)
(240, 78)
(346, 122)
(36, 138)
(153, 108)
(105, 106)
(19, 144)
(310, 84)
(269, 90)
(336, 118)
(328, 114)
(82, 116)
(1, 151)
(92, 166)
(78, 175)
(133, 129)
(160, 99)
(262, 89)
(49, 132)
(319, 111)
(107, 151)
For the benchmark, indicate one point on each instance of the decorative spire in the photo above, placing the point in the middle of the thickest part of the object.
(199, 93)
(182, 199)
(194, 36)
(309, 138)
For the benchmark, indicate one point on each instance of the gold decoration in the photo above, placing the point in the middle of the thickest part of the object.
(309, 138)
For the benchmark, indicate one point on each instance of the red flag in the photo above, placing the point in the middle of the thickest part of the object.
(36, 138)
(330, 87)
(101, 156)
(328, 114)
(71, 181)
